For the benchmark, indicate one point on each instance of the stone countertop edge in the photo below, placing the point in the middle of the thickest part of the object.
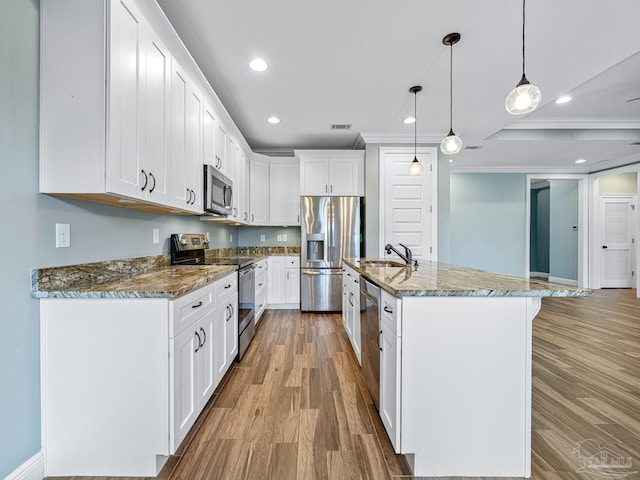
(425, 281)
(168, 282)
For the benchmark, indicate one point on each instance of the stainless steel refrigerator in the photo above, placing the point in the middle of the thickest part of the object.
(330, 231)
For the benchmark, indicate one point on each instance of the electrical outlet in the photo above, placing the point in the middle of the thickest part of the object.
(284, 237)
(279, 238)
(63, 235)
(231, 238)
(262, 238)
(156, 235)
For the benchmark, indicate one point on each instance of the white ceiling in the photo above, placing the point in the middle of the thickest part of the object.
(353, 61)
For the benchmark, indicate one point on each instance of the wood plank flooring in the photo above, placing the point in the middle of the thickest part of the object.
(297, 407)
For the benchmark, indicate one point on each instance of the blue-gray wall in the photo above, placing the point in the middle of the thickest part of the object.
(563, 239)
(28, 233)
(488, 221)
(539, 230)
(251, 236)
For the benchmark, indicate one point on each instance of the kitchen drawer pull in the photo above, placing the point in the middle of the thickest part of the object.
(204, 334)
(387, 309)
(260, 284)
(227, 286)
(199, 342)
(379, 346)
(197, 305)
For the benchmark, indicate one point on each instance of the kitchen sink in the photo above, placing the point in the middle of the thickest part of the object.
(382, 263)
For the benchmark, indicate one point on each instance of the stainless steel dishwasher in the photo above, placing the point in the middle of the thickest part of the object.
(370, 337)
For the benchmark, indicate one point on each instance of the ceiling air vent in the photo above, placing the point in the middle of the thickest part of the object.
(474, 147)
(340, 126)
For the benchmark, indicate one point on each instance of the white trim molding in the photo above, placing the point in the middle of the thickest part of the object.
(564, 281)
(582, 123)
(32, 469)
(382, 137)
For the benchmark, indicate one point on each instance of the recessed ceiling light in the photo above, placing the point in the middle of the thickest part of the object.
(258, 65)
(580, 160)
(409, 120)
(563, 99)
(273, 120)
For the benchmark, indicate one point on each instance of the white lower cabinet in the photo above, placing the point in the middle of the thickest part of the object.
(261, 287)
(283, 277)
(351, 309)
(390, 366)
(124, 379)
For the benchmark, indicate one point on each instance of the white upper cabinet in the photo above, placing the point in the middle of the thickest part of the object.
(331, 172)
(284, 193)
(259, 196)
(126, 116)
(186, 142)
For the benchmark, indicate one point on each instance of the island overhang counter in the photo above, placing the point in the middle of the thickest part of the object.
(464, 376)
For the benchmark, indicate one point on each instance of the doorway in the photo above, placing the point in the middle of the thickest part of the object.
(565, 199)
(614, 232)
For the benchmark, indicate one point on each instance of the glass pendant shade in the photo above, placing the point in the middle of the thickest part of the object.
(415, 167)
(451, 144)
(523, 99)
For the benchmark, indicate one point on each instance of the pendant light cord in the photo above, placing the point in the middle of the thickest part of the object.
(523, 24)
(415, 124)
(451, 88)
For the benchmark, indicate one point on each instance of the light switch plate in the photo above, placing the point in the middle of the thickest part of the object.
(284, 237)
(63, 235)
(262, 238)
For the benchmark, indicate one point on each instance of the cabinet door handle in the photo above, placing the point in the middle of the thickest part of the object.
(146, 180)
(387, 309)
(350, 297)
(194, 197)
(204, 334)
(298, 218)
(287, 275)
(230, 310)
(252, 217)
(379, 346)
(188, 197)
(197, 305)
(154, 182)
(199, 342)
(326, 188)
(331, 188)
(235, 212)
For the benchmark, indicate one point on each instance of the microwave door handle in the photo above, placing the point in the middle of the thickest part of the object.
(230, 190)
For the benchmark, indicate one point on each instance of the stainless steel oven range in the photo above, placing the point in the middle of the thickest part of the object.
(189, 249)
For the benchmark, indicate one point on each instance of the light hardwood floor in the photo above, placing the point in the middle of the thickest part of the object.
(297, 407)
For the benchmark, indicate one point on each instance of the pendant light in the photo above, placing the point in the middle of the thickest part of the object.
(451, 144)
(415, 167)
(525, 97)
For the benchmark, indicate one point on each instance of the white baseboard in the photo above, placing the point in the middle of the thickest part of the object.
(283, 306)
(563, 281)
(538, 275)
(32, 469)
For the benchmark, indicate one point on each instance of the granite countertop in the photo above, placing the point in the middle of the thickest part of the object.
(164, 282)
(435, 279)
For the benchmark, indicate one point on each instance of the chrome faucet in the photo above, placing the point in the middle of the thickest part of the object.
(407, 257)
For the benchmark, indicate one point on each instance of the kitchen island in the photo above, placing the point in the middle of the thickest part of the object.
(455, 382)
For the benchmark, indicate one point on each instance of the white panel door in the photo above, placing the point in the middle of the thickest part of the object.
(617, 241)
(406, 204)
(126, 102)
(185, 410)
(314, 176)
(284, 194)
(194, 147)
(179, 192)
(276, 280)
(154, 146)
(343, 176)
(259, 195)
(207, 374)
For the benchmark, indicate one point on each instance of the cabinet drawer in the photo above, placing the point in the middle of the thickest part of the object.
(189, 308)
(226, 287)
(261, 281)
(390, 313)
(261, 267)
(292, 262)
(261, 300)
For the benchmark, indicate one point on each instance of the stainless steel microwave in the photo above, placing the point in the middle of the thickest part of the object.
(218, 192)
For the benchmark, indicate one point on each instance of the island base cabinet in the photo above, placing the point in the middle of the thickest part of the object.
(104, 366)
(390, 385)
(466, 385)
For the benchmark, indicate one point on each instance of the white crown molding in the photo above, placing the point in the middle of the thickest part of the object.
(382, 137)
(525, 169)
(32, 469)
(607, 123)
